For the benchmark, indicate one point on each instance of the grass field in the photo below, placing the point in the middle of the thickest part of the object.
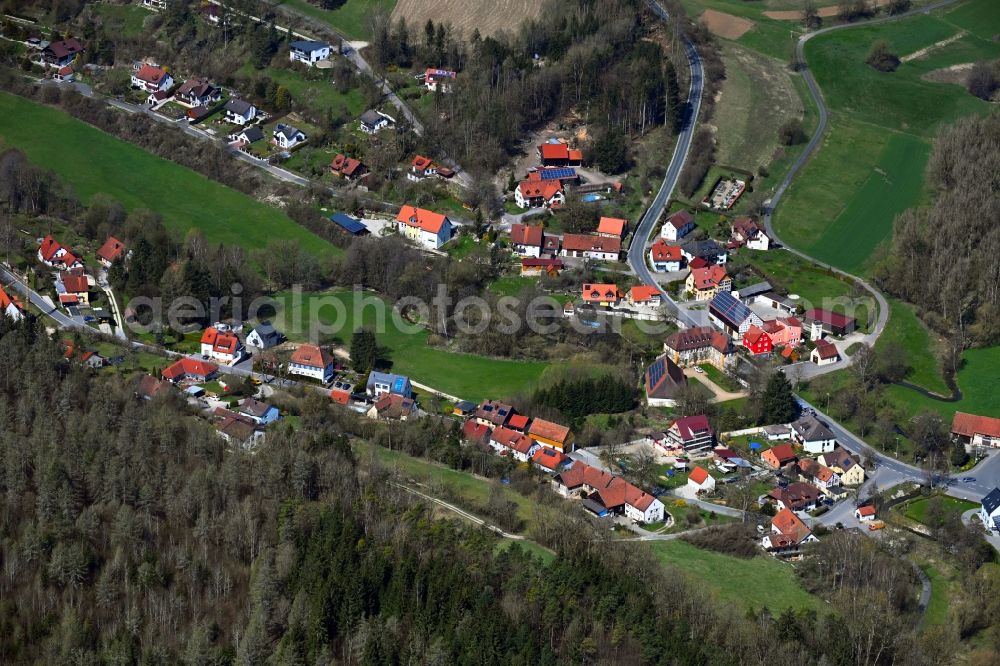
(951, 506)
(752, 584)
(906, 331)
(978, 379)
(352, 19)
(128, 18)
(464, 375)
(92, 161)
(313, 90)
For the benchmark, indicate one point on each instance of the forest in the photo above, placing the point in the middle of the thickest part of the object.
(130, 534)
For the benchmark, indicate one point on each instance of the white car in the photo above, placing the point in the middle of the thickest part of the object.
(699, 370)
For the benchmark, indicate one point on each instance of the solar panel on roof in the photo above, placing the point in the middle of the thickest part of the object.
(399, 384)
(730, 308)
(348, 223)
(557, 174)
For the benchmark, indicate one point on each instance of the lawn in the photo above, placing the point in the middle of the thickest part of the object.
(313, 89)
(938, 607)
(352, 19)
(978, 379)
(906, 331)
(721, 379)
(753, 584)
(511, 285)
(951, 506)
(129, 18)
(92, 161)
(467, 376)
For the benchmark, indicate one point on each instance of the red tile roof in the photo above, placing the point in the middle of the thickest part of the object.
(422, 163)
(753, 335)
(790, 525)
(867, 510)
(49, 248)
(783, 453)
(475, 432)
(661, 251)
(532, 262)
(611, 225)
(65, 47)
(549, 430)
(422, 219)
(826, 349)
(526, 234)
(311, 356)
(548, 458)
(150, 74)
(112, 250)
(512, 439)
(680, 219)
(698, 475)
(189, 367)
(6, 300)
(709, 277)
(546, 189)
(692, 427)
(554, 151)
(644, 292)
(600, 293)
(828, 317)
(698, 337)
(340, 396)
(75, 284)
(518, 422)
(345, 165)
(970, 425)
(591, 242)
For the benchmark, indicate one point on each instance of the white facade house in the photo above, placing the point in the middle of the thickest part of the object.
(644, 509)
(677, 226)
(239, 112)
(151, 79)
(989, 512)
(287, 136)
(308, 52)
(814, 436)
(222, 345)
(373, 122)
(428, 229)
(264, 336)
(313, 362)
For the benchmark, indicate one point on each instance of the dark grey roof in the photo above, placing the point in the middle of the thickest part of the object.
(287, 131)
(238, 106)
(703, 248)
(254, 407)
(992, 501)
(811, 429)
(728, 309)
(754, 290)
(253, 134)
(306, 45)
(371, 117)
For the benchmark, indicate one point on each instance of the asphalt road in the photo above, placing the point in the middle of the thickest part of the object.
(640, 240)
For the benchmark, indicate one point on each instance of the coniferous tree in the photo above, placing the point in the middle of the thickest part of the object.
(364, 350)
(674, 112)
(779, 403)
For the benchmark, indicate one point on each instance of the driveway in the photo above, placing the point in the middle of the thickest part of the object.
(719, 393)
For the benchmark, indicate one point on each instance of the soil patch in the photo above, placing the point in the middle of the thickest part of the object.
(725, 25)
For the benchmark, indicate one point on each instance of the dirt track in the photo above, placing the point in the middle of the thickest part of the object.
(825, 12)
(489, 16)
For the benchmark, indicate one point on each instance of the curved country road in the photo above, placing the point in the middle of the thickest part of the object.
(814, 141)
(637, 250)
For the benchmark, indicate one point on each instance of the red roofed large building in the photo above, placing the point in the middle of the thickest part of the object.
(113, 250)
(551, 434)
(788, 533)
(757, 341)
(526, 239)
(976, 430)
(706, 282)
(692, 433)
(429, 229)
(73, 287)
(591, 246)
(192, 370)
(62, 53)
(612, 226)
(604, 493)
(539, 194)
(785, 332)
(548, 459)
(51, 253)
(665, 258)
(312, 361)
(510, 442)
(604, 295)
(152, 79)
(347, 167)
(222, 345)
(559, 154)
(701, 344)
(825, 321)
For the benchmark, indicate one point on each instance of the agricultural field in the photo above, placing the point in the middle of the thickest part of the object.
(761, 582)
(352, 19)
(468, 15)
(92, 161)
(464, 375)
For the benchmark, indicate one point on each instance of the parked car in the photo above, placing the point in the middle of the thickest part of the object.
(876, 525)
(699, 370)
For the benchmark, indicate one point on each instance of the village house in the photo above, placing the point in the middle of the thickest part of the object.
(51, 253)
(509, 442)
(701, 344)
(62, 53)
(347, 167)
(372, 122)
(308, 52)
(788, 535)
(439, 80)
(380, 383)
(846, 465)
(865, 514)
(152, 79)
(73, 287)
(526, 239)
(692, 433)
(551, 434)
(539, 194)
(478, 434)
(819, 475)
(149, 387)
(113, 250)
(519, 422)
(813, 435)
(64, 74)
(247, 136)
(798, 496)
(10, 305)
(551, 245)
(605, 493)
(287, 137)
(197, 91)
(191, 370)
(824, 321)
(239, 112)
(644, 296)
(778, 456)
(612, 227)
(155, 4)
(430, 230)
(665, 258)
(677, 226)
(221, 345)
(260, 412)
(341, 392)
(312, 361)
(989, 511)
(705, 283)
(785, 332)
(493, 414)
(825, 353)
(549, 460)
(731, 316)
(975, 430)
(601, 295)
(777, 433)
(420, 168)
(531, 267)
(757, 341)
(264, 336)
(237, 429)
(707, 250)
(559, 154)
(391, 406)
(700, 481)
(662, 381)
(565, 175)
(590, 246)
(750, 233)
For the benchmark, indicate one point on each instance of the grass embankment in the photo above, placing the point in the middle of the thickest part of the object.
(351, 19)
(951, 507)
(92, 161)
(466, 376)
(761, 582)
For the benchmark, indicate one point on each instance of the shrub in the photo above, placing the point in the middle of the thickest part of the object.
(791, 133)
(882, 58)
(737, 540)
